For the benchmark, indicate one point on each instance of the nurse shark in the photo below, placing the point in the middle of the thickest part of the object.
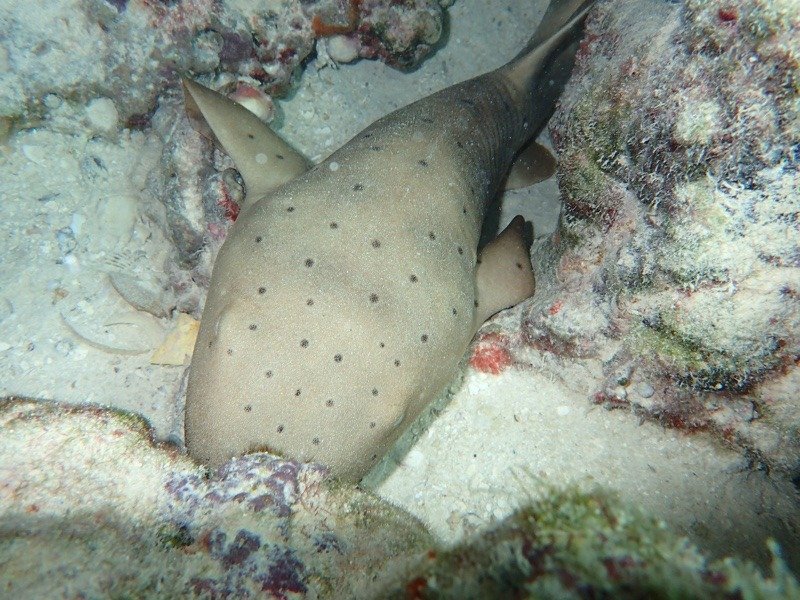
(346, 293)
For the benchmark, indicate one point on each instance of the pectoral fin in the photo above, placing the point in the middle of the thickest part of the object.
(533, 164)
(264, 160)
(504, 276)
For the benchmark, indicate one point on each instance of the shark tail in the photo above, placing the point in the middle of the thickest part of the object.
(543, 67)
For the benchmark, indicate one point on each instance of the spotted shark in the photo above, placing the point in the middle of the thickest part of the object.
(347, 293)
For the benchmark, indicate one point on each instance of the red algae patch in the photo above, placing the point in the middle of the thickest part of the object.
(490, 354)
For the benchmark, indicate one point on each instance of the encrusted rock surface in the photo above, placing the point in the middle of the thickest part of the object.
(678, 258)
(89, 507)
(86, 487)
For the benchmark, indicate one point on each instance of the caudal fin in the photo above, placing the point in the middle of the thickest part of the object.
(543, 67)
(559, 27)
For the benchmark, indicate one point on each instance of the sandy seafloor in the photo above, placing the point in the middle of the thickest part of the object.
(489, 445)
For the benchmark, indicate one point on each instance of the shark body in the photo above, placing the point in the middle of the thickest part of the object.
(342, 301)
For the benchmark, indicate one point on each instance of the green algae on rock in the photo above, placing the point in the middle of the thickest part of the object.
(578, 544)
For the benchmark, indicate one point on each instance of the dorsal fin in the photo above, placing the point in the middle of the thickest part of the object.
(504, 276)
(264, 160)
(533, 164)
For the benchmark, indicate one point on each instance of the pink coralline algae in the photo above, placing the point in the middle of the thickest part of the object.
(678, 258)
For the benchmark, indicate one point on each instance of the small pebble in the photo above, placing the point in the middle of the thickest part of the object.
(52, 101)
(65, 347)
(342, 49)
(102, 115)
(645, 390)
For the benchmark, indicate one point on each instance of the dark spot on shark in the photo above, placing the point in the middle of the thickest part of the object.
(376, 243)
(431, 235)
(290, 209)
(315, 441)
(304, 343)
(382, 345)
(373, 298)
(460, 250)
(423, 163)
(413, 278)
(372, 425)
(229, 352)
(334, 225)
(251, 136)
(519, 265)
(258, 239)
(328, 403)
(280, 429)
(297, 393)
(253, 327)
(424, 337)
(268, 374)
(455, 312)
(460, 144)
(262, 290)
(279, 156)
(376, 148)
(358, 187)
(374, 391)
(337, 358)
(310, 302)
(248, 408)
(309, 262)
(396, 363)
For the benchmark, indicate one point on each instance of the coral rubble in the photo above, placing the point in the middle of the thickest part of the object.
(131, 50)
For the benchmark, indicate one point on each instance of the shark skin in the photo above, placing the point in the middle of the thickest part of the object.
(345, 297)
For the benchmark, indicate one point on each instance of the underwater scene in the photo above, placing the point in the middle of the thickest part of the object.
(399, 299)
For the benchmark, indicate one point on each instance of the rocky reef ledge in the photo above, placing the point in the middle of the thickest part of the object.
(91, 507)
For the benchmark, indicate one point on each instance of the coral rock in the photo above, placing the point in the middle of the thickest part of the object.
(678, 140)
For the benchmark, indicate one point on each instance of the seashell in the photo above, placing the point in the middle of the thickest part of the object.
(177, 347)
(107, 322)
